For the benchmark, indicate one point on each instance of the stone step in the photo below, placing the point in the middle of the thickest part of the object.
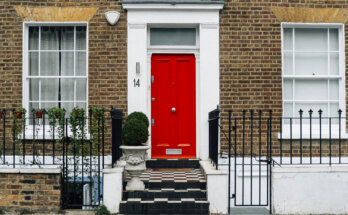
(164, 206)
(171, 194)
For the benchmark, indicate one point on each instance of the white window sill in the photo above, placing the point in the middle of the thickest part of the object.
(315, 136)
(39, 135)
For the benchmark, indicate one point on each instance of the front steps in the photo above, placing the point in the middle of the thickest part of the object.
(171, 187)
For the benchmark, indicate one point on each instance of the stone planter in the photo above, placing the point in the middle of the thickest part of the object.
(135, 165)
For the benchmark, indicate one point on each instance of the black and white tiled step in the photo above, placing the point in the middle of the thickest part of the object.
(168, 191)
(164, 206)
(170, 194)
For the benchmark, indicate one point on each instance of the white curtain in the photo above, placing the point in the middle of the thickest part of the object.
(56, 53)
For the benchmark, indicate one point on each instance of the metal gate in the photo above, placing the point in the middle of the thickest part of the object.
(250, 160)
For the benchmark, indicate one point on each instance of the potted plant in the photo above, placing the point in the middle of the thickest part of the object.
(135, 134)
(39, 113)
(19, 113)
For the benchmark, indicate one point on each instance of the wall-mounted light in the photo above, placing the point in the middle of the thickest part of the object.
(137, 68)
(112, 17)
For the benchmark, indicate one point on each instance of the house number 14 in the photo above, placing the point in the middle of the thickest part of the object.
(136, 82)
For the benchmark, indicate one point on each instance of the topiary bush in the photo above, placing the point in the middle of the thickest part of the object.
(140, 116)
(134, 132)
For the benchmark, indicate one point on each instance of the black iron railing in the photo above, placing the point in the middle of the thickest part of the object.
(257, 140)
(75, 145)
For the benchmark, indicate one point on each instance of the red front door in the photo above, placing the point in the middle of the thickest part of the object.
(173, 106)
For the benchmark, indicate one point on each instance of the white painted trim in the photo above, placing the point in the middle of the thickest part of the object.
(172, 6)
(30, 171)
(207, 61)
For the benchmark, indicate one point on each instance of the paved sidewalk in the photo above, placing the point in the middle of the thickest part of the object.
(249, 211)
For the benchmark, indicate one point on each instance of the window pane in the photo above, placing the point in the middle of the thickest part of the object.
(334, 39)
(81, 89)
(49, 63)
(81, 63)
(67, 63)
(315, 108)
(68, 106)
(47, 105)
(288, 90)
(288, 108)
(311, 90)
(173, 36)
(33, 38)
(287, 38)
(49, 38)
(81, 38)
(33, 63)
(49, 89)
(33, 105)
(34, 89)
(81, 105)
(334, 90)
(311, 64)
(334, 109)
(309, 39)
(67, 88)
(67, 38)
(334, 64)
(288, 63)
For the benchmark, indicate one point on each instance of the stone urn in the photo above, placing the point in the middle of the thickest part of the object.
(135, 165)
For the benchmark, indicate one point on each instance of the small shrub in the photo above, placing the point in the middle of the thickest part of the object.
(102, 210)
(25, 211)
(2, 211)
(140, 116)
(134, 133)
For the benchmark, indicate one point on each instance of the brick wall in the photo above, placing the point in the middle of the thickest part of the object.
(250, 52)
(36, 192)
(107, 53)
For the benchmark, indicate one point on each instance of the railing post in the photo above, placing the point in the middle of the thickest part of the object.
(301, 113)
(310, 135)
(116, 127)
(339, 134)
(229, 160)
(4, 135)
(320, 144)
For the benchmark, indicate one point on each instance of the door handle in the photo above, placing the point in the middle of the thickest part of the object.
(173, 109)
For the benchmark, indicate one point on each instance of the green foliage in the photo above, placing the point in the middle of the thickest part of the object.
(102, 210)
(135, 132)
(2, 211)
(25, 211)
(55, 115)
(140, 116)
(18, 124)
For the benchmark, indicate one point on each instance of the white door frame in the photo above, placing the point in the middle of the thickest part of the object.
(206, 18)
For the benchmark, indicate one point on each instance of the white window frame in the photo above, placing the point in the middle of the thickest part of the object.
(341, 82)
(25, 78)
